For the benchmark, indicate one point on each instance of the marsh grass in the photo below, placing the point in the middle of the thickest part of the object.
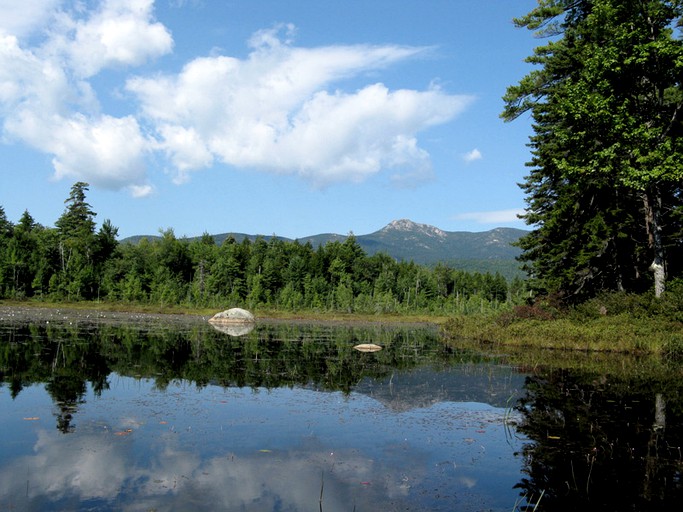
(616, 322)
(626, 323)
(620, 333)
(119, 307)
(518, 504)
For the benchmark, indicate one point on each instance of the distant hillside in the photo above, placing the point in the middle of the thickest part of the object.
(487, 251)
(219, 239)
(404, 240)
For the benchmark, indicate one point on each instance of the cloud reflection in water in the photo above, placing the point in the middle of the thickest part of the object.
(186, 448)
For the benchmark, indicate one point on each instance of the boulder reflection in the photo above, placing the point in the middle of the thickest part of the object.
(183, 417)
(235, 330)
(67, 358)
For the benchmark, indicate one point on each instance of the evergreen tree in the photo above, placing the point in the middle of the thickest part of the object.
(22, 253)
(76, 230)
(5, 237)
(73, 261)
(227, 279)
(606, 175)
(48, 269)
(203, 254)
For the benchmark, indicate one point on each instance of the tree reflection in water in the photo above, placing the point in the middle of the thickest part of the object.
(415, 426)
(67, 357)
(602, 442)
(592, 440)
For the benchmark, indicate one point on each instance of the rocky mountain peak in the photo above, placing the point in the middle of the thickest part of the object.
(408, 226)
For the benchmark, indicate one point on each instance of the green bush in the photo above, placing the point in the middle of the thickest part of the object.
(673, 348)
(672, 301)
(643, 306)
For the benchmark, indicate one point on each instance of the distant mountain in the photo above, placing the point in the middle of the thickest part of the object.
(405, 240)
(486, 251)
(219, 239)
(423, 387)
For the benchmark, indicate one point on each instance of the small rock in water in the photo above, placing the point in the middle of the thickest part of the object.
(367, 347)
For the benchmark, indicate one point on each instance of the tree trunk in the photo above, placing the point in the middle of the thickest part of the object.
(652, 461)
(653, 205)
(660, 412)
(201, 278)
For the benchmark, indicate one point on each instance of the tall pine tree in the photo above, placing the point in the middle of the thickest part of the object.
(77, 245)
(607, 167)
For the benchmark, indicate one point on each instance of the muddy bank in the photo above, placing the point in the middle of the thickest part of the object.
(42, 314)
(27, 314)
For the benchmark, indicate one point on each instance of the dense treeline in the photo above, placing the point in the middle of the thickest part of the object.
(74, 261)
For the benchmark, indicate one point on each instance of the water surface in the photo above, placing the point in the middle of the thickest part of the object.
(161, 415)
(115, 417)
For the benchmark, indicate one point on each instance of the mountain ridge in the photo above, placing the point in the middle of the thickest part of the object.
(405, 240)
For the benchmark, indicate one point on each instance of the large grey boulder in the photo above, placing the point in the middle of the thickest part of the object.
(233, 316)
(234, 321)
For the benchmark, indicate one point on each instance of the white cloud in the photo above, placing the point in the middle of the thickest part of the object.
(472, 156)
(111, 149)
(47, 102)
(21, 20)
(274, 111)
(121, 33)
(105, 151)
(97, 465)
(140, 190)
(185, 148)
(492, 217)
(277, 110)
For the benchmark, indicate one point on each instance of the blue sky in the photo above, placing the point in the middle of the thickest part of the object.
(264, 116)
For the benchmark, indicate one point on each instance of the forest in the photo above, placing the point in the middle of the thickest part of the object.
(604, 200)
(75, 261)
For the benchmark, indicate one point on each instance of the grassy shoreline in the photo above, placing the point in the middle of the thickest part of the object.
(619, 333)
(609, 334)
(261, 314)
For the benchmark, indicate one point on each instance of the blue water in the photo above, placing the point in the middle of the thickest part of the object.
(139, 448)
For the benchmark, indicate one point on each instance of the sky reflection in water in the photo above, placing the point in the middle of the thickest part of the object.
(138, 447)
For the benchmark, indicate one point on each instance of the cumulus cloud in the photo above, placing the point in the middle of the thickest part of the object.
(492, 217)
(46, 100)
(25, 19)
(120, 33)
(274, 111)
(472, 156)
(279, 110)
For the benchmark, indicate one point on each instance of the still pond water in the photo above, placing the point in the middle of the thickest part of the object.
(150, 416)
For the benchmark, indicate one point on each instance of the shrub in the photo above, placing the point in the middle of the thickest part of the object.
(524, 312)
(668, 307)
(672, 301)
(617, 303)
(673, 348)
